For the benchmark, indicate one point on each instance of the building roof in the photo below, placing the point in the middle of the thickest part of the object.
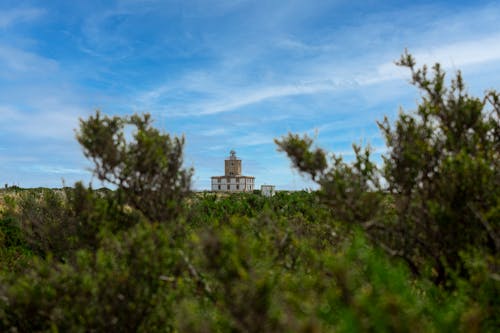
(235, 176)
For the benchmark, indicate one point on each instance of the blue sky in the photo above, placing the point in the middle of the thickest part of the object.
(228, 74)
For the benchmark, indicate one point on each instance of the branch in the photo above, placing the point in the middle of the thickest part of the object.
(195, 275)
(487, 227)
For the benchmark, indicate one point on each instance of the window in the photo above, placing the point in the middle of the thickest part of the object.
(237, 187)
(219, 187)
(228, 187)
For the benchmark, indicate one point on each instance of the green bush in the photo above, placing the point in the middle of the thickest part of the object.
(442, 173)
(147, 171)
(126, 285)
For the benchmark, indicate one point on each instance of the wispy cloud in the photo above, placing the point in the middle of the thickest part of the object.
(41, 124)
(13, 16)
(464, 53)
(14, 60)
(315, 66)
(216, 131)
(245, 98)
(55, 169)
(253, 139)
(234, 99)
(450, 56)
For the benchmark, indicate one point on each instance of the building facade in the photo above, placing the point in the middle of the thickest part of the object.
(233, 180)
(267, 190)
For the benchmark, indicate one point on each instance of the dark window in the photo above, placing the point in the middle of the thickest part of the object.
(228, 187)
(219, 187)
(237, 187)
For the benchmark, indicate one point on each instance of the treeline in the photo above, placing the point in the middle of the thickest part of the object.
(409, 247)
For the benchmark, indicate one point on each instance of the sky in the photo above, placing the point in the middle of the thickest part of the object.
(226, 74)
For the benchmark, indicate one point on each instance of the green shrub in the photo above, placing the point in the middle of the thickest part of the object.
(126, 285)
(147, 171)
(442, 171)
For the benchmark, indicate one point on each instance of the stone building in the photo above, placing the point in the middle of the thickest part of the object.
(233, 180)
(268, 190)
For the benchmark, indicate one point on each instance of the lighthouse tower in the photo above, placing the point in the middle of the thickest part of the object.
(233, 180)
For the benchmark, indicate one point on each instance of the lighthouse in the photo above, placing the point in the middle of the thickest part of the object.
(233, 180)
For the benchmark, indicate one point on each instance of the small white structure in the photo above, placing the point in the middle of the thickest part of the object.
(267, 190)
(233, 180)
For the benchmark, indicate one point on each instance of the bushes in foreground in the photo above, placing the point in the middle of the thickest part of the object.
(280, 270)
(261, 274)
(442, 172)
(420, 254)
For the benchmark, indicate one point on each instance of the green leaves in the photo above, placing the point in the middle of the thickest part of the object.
(147, 169)
(442, 161)
(441, 171)
(118, 287)
(303, 158)
(344, 186)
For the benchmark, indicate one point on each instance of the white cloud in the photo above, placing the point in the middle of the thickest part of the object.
(253, 139)
(16, 159)
(252, 97)
(313, 76)
(41, 124)
(218, 131)
(17, 61)
(470, 52)
(13, 16)
(233, 99)
(452, 56)
(55, 169)
(217, 147)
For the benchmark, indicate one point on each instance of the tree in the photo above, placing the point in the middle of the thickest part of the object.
(146, 170)
(442, 173)
(443, 169)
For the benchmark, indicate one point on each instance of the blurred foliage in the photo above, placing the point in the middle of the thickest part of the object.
(147, 170)
(412, 247)
(441, 178)
(443, 169)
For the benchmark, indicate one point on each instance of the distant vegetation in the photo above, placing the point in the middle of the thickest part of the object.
(409, 247)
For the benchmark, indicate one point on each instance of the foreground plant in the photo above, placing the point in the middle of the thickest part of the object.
(442, 173)
(147, 170)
